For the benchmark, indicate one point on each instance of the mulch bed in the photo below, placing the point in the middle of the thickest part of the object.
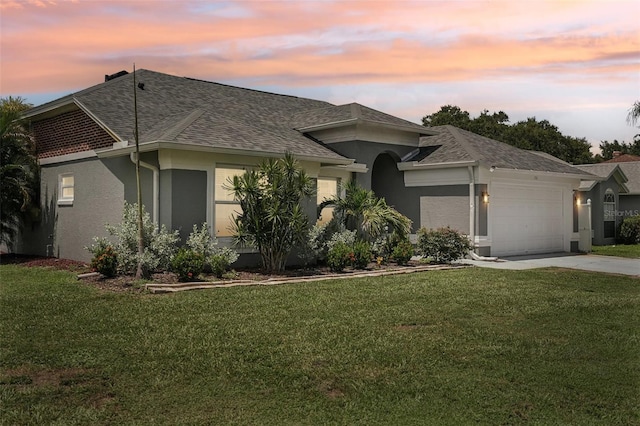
(128, 283)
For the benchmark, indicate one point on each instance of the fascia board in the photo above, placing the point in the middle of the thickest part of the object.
(414, 165)
(156, 145)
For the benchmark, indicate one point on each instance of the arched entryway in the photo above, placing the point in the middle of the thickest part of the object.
(387, 181)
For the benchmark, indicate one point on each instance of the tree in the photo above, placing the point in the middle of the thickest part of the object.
(362, 211)
(448, 114)
(272, 218)
(634, 114)
(608, 148)
(18, 170)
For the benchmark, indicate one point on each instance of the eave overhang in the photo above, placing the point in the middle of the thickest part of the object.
(121, 149)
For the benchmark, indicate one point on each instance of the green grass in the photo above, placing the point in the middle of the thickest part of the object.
(473, 346)
(620, 250)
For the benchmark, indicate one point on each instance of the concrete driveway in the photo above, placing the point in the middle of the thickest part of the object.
(585, 262)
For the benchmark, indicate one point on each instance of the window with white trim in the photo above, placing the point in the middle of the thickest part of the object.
(327, 188)
(226, 208)
(609, 205)
(66, 189)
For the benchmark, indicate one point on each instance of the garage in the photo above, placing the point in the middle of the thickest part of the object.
(526, 219)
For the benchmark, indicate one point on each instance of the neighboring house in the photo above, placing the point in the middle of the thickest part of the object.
(194, 135)
(605, 193)
(630, 165)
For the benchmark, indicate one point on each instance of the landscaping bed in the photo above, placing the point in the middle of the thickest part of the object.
(124, 283)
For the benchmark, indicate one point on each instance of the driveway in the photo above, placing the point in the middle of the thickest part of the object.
(585, 262)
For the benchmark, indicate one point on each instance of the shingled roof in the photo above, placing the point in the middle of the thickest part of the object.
(604, 171)
(336, 115)
(198, 113)
(453, 144)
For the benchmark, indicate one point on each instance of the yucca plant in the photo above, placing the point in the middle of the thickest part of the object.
(272, 218)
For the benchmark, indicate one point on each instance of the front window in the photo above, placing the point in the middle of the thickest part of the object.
(609, 214)
(66, 189)
(327, 189)
(226, 207)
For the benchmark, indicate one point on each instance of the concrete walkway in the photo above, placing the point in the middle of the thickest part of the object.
(585, 262)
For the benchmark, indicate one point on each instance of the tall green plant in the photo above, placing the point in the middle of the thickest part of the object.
(272, 218)
(18, 170)
(362, 211)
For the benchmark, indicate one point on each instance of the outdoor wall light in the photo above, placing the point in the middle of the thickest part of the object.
(485, 197)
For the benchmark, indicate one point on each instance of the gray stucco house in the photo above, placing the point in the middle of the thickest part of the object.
(604, 192)
(195, 134)
(614, 195)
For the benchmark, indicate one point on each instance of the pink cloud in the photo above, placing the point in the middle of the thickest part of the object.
(53, 46)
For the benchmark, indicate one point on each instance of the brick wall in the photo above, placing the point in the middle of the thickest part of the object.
(69, 133)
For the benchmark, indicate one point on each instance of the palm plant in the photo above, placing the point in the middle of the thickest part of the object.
(272, 218)
(362, 211)
(18, 169)
(634, 114)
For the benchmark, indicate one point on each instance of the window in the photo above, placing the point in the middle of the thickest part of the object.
(65, 189)
(609, 214)
(327, 188)
(226, 208)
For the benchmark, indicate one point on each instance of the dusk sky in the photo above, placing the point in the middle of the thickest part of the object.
(574, 63)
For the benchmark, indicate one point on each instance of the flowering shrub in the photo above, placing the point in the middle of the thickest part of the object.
(403, 252)
(340, 255)
(159, 243)
(216, 259)
(105, 259)
(188, 264)
(630, 230)
(443, 245)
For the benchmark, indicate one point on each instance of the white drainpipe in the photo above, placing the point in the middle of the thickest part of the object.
(156, 186)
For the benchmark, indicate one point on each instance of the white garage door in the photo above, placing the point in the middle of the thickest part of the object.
(525, 219)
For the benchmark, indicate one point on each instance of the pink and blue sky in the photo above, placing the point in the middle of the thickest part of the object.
(575, 63)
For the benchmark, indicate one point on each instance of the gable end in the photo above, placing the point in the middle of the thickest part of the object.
(69, 133)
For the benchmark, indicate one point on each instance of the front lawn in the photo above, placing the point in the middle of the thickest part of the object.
(450, 347)
(620, 250)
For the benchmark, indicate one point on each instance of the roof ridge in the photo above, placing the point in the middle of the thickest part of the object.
(455, 131)
(181, 125)
(248, 89)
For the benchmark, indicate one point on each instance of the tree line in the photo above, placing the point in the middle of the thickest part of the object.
(533, 134)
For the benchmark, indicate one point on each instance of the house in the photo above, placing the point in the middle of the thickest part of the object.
(605, 193)
(614, 195)
(195, 134)
(630, 165)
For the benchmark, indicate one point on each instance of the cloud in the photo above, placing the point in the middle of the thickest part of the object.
(57, 46)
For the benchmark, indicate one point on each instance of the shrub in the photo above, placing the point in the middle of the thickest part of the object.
(443, 245)
(272, 218)
(105, 259)
(362, 255)
(159, 243)
(402, 252)
(339, 256)
(188, 264)
(221, 260)
(630, 230)
(216, 259)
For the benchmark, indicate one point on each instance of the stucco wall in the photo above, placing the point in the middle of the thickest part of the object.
(596, 195)
(65, 230)
(366, 153)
